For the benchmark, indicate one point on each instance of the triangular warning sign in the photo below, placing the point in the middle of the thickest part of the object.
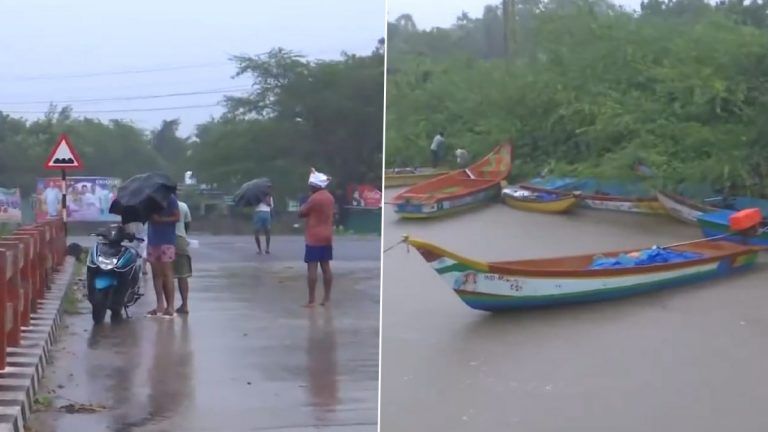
(63, 155)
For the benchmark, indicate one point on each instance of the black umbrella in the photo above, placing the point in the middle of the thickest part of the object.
(142, 196)
(253, 192)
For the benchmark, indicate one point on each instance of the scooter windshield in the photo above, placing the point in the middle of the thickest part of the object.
(110, 250)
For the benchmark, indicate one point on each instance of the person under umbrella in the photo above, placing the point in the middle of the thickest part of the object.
(262, 220)
(258, 193)
(318, 211)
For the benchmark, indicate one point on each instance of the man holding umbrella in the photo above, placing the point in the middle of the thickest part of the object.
(258, 193)
(318, 211)
(262, 219)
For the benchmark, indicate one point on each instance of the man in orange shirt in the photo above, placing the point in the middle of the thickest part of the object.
(318, 211)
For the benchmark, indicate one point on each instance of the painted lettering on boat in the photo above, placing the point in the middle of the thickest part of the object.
(458, 202)
(514, 284)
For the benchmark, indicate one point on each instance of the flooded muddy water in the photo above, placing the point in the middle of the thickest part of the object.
(683, 359)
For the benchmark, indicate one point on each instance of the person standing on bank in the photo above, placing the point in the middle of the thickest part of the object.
(262, 220)
(161, 252)
(182, 264)
(437, 148)
(318, 211)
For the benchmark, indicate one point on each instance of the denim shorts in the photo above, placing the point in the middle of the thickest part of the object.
(262, 220)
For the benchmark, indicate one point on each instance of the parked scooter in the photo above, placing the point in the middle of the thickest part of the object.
(114, 273)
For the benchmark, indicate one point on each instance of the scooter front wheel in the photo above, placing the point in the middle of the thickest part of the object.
(99, 306)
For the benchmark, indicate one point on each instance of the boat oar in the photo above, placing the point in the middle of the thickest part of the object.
(403, 240)
(741, 233)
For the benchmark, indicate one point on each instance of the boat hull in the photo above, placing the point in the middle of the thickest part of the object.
(560, 205)
(449, 206)
(681, 208)
(483, 286)
(457, 191)
(610, 202)
(629, 205)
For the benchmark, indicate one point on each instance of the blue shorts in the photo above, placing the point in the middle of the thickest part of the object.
(313, 254)
(262, 220)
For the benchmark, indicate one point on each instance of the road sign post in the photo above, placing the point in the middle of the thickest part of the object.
(63, 157)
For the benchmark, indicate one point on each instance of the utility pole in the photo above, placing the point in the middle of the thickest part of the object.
(505, 20)
(509, 18)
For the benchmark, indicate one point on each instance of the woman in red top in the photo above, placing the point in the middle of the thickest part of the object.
(318, 211)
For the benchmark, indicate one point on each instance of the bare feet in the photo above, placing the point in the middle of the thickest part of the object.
(152, 313)
(168, 313)
(258, 252)
(182, 310)
(325, 302)
(309, 305)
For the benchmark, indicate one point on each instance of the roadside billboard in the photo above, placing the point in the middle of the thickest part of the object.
(10, 205)
(367, 196)
(88, 198)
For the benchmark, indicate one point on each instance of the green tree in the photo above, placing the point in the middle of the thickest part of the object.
(593, 89)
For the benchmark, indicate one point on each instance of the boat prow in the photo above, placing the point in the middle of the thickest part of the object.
(682, 208)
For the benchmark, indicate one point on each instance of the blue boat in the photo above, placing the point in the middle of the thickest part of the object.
(716, 224)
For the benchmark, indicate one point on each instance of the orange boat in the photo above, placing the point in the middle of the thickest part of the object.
(459, 190)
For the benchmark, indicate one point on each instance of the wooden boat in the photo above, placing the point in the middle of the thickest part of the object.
(459, 190)
(716, 223)
(543, 202)
(407, 177)
(593, 197)
(508, 285)
(682, 208)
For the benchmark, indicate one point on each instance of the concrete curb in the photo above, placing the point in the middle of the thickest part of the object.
(19, 382)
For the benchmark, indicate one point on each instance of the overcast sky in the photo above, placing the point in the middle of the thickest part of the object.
(48, 45)
(441, 13)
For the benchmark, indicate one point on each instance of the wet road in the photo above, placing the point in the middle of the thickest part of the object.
(248, 358)
(685, 359)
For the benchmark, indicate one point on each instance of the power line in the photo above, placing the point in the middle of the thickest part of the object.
(128, 98)
(128, 71)
(112, 73)
(120, 110)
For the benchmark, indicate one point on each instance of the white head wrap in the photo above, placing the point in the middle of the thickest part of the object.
(318, 179)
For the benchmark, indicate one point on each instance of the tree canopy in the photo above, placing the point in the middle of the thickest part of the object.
(589, 88)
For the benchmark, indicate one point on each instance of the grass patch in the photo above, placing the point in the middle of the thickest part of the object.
(42, 403)
(6, 228)
(71, 301)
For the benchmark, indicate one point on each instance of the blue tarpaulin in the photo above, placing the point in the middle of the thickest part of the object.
(594, 186)
(654, 255)
(719, 217)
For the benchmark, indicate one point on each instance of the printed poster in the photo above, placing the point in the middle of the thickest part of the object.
(364, 196)
(10, 205)
(88, 199)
